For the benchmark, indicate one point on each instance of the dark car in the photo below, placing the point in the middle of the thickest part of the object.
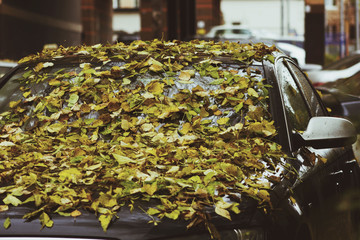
(342, 97)
(171, 140)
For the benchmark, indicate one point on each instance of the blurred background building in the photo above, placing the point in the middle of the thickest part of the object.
(327, 27)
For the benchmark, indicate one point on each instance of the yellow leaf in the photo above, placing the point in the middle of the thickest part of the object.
(125, 124)
(4, 208)
(147, 127)
(7, 223)
(105, 221)
(38, 67)
(152, 211)
(173, 215)
(122, 159)
(223, 212)
(155, 87)
(72, 174)
(55, 128)
(155, 66)
(223, 121)
(46, 221)
(184, 76)
(253, 93)
(150, 189)
(75, 213)
(264, 195)
(7, 144)
(13, 104)
(10, 199)
(26, 94)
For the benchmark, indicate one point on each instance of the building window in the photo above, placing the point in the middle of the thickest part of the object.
(125, 4)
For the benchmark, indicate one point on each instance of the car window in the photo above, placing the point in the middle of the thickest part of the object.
(308, 91)
(295, 107)
(240, 31)
(219, 33)
(14, 89)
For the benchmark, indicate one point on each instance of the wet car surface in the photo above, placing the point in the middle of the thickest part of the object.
(125, 107)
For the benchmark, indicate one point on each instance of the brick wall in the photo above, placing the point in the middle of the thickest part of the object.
(209, 12)
(167, 19)
(96, 17)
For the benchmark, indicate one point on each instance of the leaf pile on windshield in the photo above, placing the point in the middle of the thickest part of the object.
(153, 120)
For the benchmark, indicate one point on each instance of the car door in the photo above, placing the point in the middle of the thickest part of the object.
(324, 175)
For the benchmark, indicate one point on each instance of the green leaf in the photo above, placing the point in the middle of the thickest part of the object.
(152, 211)
(173, 215)
(122, 159)
(46, 221)
(73, 99)
(10, 199)
(222, 212)
(7, 223)
(150, 188)
(105, 221)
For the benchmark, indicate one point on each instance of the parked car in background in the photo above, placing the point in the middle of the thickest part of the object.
(341, 69)
(5, 66)
(243, 34)
(230, 32)
(171, 140)
(342, 97)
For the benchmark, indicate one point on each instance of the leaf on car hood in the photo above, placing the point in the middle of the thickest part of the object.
(171, 121)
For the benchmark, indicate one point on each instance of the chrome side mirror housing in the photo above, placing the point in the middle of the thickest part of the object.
(328, 132)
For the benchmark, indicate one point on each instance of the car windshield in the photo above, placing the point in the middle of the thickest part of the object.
(344, 63)
(13, 90)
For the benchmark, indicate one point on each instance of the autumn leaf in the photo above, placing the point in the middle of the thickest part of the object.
(45, 220)
(10, 199)
(105, 221)
(253, 93)
(122, 159)
(155, 87)
(4, 208)
(75, 213)
(150, 188)
(222, 212)
(7, 223)
(171, 121)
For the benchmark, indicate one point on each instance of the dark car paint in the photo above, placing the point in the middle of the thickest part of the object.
(342, 104)
(320, 185)
(313, 190)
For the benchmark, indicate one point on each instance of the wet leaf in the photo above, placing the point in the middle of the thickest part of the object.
(167, 121)
(45, 220)
(105, 221)
(10, 199)
(7, 223)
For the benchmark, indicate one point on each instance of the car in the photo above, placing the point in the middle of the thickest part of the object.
(229, 32)
(171, 140)
(5, 66)
(243, 34)
(342, 97)
(340, 69)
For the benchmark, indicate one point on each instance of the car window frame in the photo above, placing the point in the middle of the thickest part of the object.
(282, 116)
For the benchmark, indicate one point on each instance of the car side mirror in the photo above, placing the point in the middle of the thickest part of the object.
(328, 132)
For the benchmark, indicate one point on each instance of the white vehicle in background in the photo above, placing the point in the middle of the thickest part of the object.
(341, 69)
(241, 33)
(229, 32)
